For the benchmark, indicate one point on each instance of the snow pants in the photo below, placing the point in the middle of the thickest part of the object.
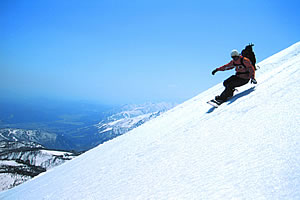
(230, 84)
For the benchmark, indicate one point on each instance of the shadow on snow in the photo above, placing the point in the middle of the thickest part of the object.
(239, 95)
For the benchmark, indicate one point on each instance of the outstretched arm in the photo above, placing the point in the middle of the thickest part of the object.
(224, 67)
(228, 66)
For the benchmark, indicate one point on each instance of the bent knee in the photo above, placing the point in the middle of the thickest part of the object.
(225, 83)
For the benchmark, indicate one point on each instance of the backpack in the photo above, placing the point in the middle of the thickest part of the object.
(248, 53)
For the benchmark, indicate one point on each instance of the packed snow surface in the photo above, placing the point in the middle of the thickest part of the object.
(248, 148)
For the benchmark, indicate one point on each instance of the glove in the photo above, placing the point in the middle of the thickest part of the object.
(213, 72)
(253, 81)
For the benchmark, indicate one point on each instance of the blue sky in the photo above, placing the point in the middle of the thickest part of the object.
(118, 52)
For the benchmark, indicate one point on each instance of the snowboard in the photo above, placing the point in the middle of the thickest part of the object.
(214, 103)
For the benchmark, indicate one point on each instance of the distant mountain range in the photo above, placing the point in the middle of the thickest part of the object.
(129, 117)
(37, 136)
(74, 128)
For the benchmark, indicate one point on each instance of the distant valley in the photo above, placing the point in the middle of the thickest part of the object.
(72, 126)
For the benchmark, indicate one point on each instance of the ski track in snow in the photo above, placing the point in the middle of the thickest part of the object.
(248, 148)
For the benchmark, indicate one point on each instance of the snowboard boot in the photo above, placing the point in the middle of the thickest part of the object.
(219, 99)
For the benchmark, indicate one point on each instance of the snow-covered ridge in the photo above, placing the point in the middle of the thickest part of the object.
(246, 149)
(37, 136)
(129, 117)
(20, 161)
(122, 123)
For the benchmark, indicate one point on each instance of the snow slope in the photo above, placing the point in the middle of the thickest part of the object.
(249, 148)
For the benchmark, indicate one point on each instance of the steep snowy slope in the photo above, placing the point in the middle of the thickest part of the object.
(247, 149)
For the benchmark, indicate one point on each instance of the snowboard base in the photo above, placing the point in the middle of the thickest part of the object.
(214, 103)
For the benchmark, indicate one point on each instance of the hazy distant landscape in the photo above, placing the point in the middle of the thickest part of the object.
(39, 134)
(51, 115)
(65, 119)
(74, 125)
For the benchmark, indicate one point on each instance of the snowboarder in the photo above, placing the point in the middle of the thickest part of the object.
(245, 71)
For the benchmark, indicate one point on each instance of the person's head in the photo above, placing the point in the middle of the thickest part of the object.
(235, 54)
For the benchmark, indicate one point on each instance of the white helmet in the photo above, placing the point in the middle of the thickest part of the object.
(234, 52)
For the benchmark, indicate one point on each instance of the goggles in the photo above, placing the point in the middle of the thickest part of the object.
(235, 58)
